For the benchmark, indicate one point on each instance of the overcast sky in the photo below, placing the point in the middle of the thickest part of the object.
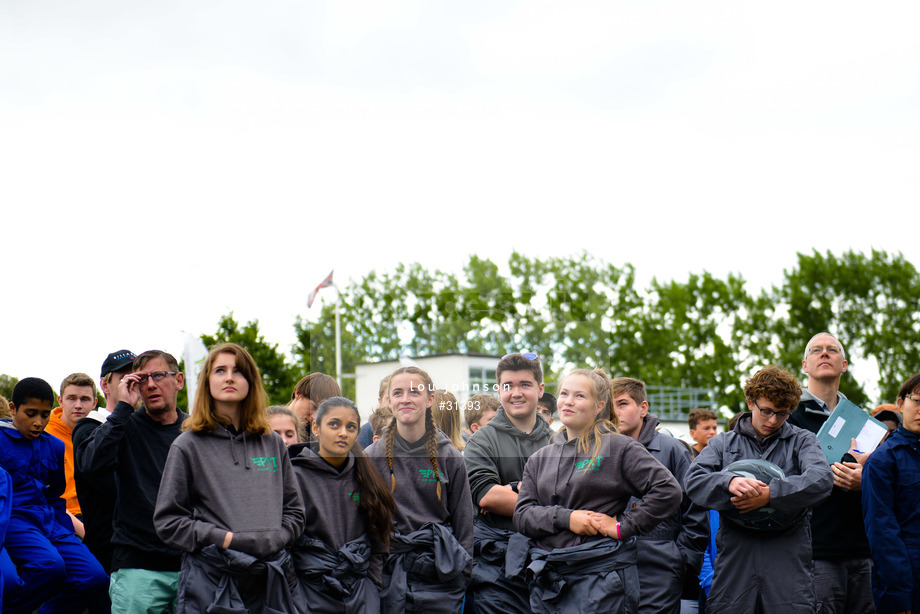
(162, 164)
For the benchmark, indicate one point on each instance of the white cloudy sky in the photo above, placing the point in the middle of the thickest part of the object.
(164, 163)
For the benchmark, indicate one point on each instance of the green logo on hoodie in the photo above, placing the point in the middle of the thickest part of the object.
(355, 496)
(265, 463)
(428, 475)
(585, 465)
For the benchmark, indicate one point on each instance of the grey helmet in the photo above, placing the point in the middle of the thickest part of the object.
(765, 518)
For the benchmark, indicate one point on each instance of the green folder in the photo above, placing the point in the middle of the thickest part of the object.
(849, 421)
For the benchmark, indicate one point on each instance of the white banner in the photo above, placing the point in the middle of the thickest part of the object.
(194, 355)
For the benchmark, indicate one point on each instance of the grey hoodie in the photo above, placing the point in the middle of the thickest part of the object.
(218, 482)
(416, 487)
(496, 455)
(678, 541)
(560, 479)
(330, 499)
(691, 523)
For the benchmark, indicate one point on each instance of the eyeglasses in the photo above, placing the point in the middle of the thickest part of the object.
(833, 350)
(913, 397)
(527, 355)
(156, 376)
(769, 413)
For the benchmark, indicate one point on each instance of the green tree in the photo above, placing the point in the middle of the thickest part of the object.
(278, 376)
(869, 302)
(415, 311)
(689, 335)
(315, 347)
(705, 332)
(7, 383)
(182, 395)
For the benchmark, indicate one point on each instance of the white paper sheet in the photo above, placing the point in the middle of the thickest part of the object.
(838, 424)
(869, 437)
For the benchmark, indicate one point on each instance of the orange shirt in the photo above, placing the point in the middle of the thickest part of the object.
(58, 428)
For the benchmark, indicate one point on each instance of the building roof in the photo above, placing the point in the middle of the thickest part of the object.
(473, 354)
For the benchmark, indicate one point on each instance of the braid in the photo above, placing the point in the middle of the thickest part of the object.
(431, 447)
(388, 450)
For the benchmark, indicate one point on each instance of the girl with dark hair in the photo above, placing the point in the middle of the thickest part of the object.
(574, 505)
(228, 497)
(434, 510)
(349, 515)
(891, 500)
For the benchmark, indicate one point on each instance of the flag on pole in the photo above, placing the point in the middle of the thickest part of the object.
(323, 284)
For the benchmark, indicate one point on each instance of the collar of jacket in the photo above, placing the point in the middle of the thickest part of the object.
(745, 426)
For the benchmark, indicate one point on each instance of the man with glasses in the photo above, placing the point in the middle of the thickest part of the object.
(135, 444)
(840, 549)
(763, 571)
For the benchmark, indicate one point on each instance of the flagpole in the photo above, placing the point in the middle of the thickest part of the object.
(338, 338)
(326, 283)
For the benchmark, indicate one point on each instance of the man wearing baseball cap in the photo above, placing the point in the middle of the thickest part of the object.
(97, 494)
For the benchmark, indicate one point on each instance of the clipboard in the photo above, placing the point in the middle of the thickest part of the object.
(849, 421)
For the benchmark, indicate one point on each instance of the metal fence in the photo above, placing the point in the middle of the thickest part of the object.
(674, 403)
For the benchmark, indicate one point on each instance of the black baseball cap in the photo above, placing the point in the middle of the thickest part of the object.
(116, 361)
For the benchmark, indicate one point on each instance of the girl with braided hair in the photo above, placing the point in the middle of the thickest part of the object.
(434, 510)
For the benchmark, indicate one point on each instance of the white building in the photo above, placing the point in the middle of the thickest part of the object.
(464, 375)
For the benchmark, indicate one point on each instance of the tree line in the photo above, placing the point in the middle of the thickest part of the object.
(704, 332)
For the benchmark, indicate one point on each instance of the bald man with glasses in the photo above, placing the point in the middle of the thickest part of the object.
(840, 549)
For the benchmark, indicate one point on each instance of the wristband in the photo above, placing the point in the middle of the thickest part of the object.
(619, 537)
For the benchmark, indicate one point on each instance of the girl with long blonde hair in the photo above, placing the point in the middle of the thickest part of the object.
(573, 504)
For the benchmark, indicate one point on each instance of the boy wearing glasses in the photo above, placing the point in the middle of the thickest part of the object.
(135, 444)
(763, 571)
(840, 548)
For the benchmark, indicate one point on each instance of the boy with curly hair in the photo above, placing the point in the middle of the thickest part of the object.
(759, 569)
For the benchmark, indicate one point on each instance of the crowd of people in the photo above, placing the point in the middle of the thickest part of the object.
(236, 506)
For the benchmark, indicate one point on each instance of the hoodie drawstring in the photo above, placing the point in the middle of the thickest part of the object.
(236, 461)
